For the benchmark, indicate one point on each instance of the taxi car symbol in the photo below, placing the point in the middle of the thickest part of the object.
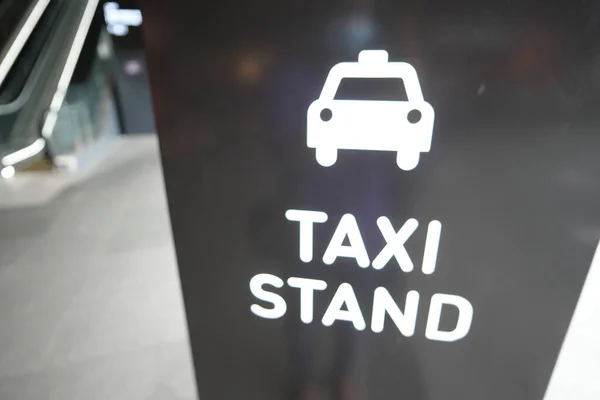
(405, 127)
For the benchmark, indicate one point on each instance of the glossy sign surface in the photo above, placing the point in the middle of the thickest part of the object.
(360, 271)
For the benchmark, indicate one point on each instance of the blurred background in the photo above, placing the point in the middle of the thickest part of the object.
(90, 304)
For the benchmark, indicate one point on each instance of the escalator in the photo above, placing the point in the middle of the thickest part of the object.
(47, 52)
(19, 18)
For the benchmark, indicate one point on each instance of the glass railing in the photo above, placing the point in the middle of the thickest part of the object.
(87, 112)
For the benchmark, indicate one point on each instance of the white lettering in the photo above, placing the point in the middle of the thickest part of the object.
(344, 305)
(279, 305)
(307, 288)
(432, 243)
(384, 303)
(465, 317)
(347, 227)
(344, 295)
(306, 219)
(395, 244)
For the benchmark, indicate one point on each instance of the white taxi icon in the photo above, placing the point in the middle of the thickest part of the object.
(405, 127)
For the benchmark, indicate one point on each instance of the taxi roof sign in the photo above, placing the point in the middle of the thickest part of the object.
(373, 56)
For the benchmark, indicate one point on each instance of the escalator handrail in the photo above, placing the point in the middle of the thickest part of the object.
(37, 146)
(26, 152)
(69, 68)
(15, 46)
(38, 68)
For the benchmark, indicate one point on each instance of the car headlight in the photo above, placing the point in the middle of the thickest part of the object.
(326, 114)
(414, 116)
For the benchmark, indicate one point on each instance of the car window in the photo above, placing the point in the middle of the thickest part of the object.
(390, 89)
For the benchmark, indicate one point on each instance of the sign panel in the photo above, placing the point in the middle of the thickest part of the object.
(375, 200)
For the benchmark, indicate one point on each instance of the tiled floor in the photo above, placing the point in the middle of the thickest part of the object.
(90, 303)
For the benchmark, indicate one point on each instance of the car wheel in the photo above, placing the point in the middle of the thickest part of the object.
(407, 161)
(326, 156)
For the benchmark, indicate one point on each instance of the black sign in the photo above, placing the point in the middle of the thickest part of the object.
(383, 200)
